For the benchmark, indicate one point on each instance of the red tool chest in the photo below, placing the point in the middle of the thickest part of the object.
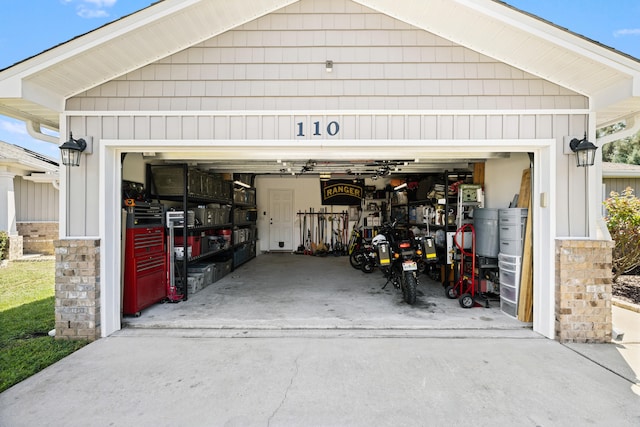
(145, 259)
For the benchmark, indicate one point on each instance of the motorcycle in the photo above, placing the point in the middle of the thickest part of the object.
(397, 256)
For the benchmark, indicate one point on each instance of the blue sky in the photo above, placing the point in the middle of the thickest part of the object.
(28, 27)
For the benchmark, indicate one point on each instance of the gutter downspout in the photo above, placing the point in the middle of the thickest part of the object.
(35, 131)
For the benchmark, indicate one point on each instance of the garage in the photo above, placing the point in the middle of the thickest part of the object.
(284, 287)
(297, 298)
(339, 90)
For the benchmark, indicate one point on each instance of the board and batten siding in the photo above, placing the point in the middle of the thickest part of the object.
(620, 184)
(35, 201)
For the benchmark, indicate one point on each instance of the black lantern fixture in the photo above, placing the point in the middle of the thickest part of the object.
(585, 151)
(71, 150)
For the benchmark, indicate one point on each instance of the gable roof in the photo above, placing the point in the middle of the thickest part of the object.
(618, 170)
(36, 89)
(24, 162)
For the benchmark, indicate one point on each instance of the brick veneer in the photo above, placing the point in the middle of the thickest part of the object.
(77, 289)
(15, 247)
(583, 291)
(38, 237)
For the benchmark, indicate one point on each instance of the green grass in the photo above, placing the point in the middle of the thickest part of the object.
(26, 316)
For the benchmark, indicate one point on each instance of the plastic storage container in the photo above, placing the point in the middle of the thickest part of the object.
(510, 268)
(485, 222)
(205, 269)
(509, 308)
(512, 223)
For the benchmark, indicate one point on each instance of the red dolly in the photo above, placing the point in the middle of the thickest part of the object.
(465, 288)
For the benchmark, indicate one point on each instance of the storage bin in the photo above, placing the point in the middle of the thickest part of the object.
(508, 277)
(195, 282)
(191, 218)
(513, 216)
(239, 195)
(221, 269)
(201, 268)
(169, 181)
(511, 259)
(206, 184)
(226, 190)
(509, 308)
(251, 196)
(509, 293)
(203, 216)
(251, 215)
(511, 247)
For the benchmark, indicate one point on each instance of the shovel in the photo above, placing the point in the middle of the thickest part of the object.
(302, 228)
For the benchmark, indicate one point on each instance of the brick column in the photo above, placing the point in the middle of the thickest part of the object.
(583, 290)
(15, 247)
(77, 289)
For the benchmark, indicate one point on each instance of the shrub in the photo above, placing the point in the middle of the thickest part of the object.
(4, 244)
(623, 222)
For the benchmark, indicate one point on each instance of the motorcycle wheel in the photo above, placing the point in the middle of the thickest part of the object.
(451, 292)
(409, 284)
(355, 259)
(466, 301)
(367, 266)
(422, 266)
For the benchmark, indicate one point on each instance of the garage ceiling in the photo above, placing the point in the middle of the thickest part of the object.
(365, 168)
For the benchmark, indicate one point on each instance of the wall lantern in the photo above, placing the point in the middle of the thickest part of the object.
(70, 151)
(585, 151)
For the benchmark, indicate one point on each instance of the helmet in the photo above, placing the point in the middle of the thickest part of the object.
(379, 238)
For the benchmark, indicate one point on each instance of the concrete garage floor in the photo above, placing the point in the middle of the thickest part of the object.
(279, 291)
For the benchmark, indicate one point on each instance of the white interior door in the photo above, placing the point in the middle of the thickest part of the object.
(280, 220)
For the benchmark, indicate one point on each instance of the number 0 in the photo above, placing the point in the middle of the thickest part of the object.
(333, 128)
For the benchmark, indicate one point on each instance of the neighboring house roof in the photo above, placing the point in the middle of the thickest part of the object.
(36, 89)
(620, 170)
(29, 164)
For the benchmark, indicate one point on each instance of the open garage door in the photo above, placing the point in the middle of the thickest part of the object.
(498, 166)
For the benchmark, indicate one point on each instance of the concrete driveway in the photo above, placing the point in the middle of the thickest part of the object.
(224, 359)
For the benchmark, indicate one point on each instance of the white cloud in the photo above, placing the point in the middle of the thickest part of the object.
(627, 32)
(92, 8)
(85, 12)
(14, 128)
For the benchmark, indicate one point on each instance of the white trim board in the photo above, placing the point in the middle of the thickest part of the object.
(544, 219)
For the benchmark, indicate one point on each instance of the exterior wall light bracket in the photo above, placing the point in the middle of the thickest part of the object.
(585, 150)
(71, 150)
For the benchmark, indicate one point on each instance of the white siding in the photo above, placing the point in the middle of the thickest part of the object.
(272, 126)
(278, 63)
(35, 201)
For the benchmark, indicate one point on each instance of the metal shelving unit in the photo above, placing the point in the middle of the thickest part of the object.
(189, 188)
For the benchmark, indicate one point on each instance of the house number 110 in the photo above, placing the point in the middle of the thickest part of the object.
(332, 128)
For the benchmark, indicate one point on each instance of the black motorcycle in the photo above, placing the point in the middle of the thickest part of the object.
(397, 256)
